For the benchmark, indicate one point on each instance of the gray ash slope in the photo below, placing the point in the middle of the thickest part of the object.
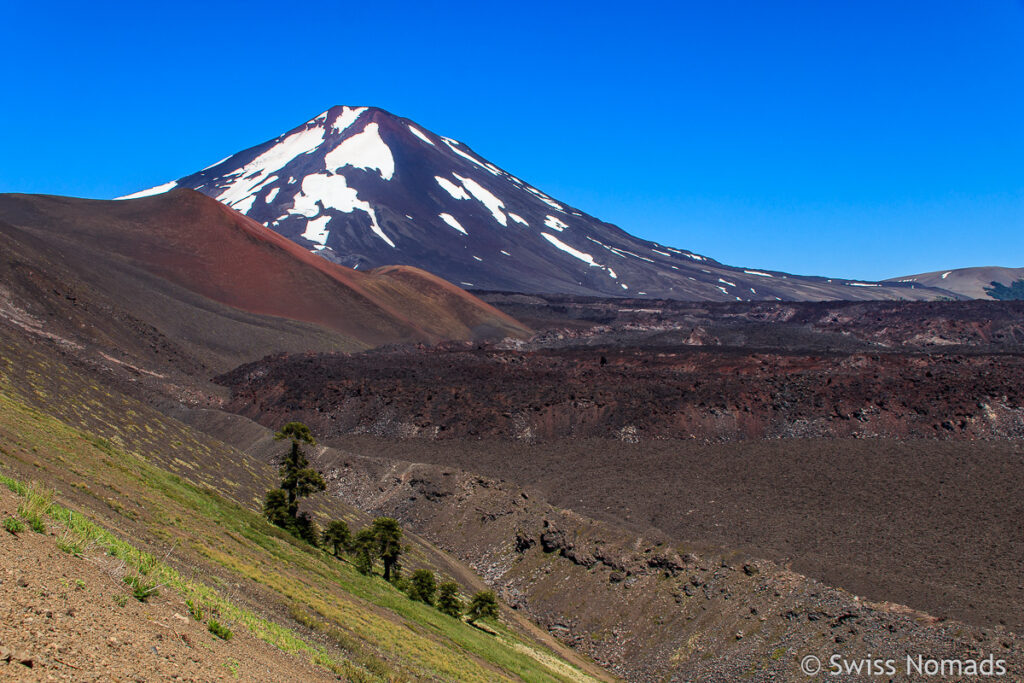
(365, 188)
(974, 283)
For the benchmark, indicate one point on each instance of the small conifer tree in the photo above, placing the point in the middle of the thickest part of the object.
(337, 536)
(448, 600)
(364, 548)
(388, 535)
(298, 480)
(483, 605)
(275, 507)
(423, 587)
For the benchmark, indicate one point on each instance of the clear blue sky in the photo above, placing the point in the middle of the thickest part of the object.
(860, 139)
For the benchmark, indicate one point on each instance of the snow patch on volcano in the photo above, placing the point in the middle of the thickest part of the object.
(316, 231)
(452, 146)
(451, 188)
(333, 192)
(364, 150)
(482, 195)
(346, 118)
(451, 220)
(544, 198)
(575, 253)
(554, 223)
(248, 179)
(421, 135)
(159, 189)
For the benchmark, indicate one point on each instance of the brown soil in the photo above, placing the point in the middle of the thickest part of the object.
(72, 618)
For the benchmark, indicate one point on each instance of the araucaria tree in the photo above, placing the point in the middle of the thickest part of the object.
(423, 586)
(483, 605)
(364, 549)
(298, 480)
(448, 600)
(383, 540)
(388, 536)
(337, 536)
(275, 507)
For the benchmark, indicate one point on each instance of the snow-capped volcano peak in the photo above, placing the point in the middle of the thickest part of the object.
(365, 188)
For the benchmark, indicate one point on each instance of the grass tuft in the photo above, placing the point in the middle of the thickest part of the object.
(36, 501)
(219, 630)
(142, 590)
(37, 524)
(195, 609)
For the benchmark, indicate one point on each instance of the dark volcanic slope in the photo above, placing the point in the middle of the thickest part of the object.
(365, 188)
(935, 525)
(721, 372)
(203, 274)
(656, 393)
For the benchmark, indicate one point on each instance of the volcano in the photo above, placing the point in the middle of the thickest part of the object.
(364, 188)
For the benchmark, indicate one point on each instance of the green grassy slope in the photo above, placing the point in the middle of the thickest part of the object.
(143, 486)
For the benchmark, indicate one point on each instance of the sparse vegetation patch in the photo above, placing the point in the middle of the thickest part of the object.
(218, 629)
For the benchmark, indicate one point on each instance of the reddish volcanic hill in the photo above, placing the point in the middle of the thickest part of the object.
(195, 269)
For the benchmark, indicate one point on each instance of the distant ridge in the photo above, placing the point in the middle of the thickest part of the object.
(973, 283)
